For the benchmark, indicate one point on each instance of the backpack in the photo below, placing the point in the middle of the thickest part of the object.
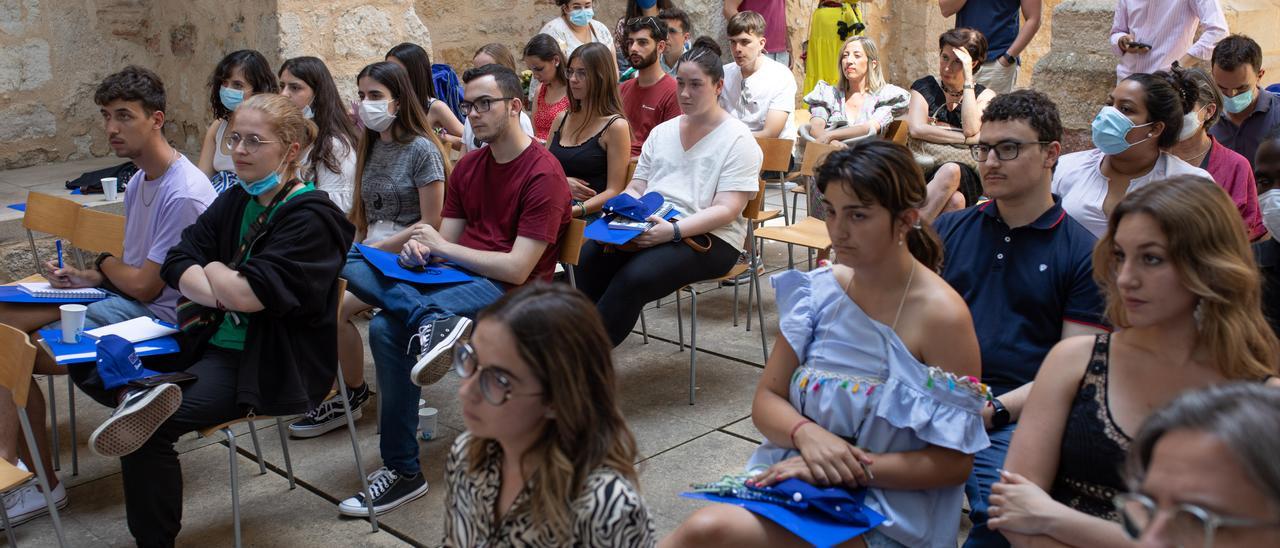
(91, 182)
(448, 87)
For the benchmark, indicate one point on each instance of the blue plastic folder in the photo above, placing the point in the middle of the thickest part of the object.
(817, 527)
(87, 351)
(625, 206)
(11, 294)
(386, 263)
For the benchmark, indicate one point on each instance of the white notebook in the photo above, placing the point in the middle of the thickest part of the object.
(135, 330)
(45, 291)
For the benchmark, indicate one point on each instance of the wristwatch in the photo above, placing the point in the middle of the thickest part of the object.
(999, 418)
(1011, 59)
(675, 232)
(97, 263)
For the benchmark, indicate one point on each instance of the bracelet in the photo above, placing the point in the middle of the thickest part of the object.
(675, 228)
(795, 429)
(582, 210)
(969, 86)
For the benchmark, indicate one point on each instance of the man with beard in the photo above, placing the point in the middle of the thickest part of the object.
(648, 99)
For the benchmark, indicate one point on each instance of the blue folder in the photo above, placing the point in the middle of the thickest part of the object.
(627, 207)
(815, 527)
(386, 263)
(86, 350)
(11, 294)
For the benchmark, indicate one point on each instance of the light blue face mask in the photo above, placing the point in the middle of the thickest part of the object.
(231, 98)
(257, 188)
(1110, 127)
(308, 113)
(1237, 104)
(582, 17)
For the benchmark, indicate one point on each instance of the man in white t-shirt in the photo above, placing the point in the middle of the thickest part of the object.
(757, 90)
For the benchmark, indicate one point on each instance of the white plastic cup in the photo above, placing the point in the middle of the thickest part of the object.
(427, 422)
(109, 188)
(421, 403)
(72, 322)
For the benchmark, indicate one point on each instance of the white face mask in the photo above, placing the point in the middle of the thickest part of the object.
(1269, 203)
(374, 115)
(1190, 124)
(308, 113)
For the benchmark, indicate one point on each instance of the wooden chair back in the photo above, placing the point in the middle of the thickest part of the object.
(50, 214)
(631, 169)
(896, 131)
(571, 242)
(16, 360)
(814, 154)
(777, 153)
(99, 231)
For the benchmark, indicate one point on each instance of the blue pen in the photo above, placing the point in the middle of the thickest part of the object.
(58, 243)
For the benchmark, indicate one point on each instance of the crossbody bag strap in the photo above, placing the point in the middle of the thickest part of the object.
(258, 224)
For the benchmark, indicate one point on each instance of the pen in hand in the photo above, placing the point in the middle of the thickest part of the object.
(58, 244)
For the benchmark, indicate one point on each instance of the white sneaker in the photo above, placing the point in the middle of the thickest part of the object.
(27, 503)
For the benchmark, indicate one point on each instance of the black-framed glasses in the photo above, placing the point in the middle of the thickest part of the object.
(1005, 150)
(1190, 526)
(481, 105)
(251, 143)
(495, 385)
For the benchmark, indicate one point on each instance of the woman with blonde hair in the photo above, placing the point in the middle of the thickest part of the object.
(591, 139)
(861, 104)
(1182, 290)
(547, 459)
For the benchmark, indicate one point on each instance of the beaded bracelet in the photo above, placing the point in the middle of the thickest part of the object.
(795, 429)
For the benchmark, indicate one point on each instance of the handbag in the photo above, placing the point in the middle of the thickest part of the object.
(198, 322)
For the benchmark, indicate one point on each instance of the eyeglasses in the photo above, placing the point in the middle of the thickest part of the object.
(580, 74)
(495, 386)
(1190, 526)
(1005, 150)
(481, 105)
(251, 143)
(648, 21)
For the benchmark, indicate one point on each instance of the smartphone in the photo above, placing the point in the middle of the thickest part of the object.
(177, 377)
(1137, 44)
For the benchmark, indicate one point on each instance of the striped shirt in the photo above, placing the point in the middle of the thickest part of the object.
(1169, 26)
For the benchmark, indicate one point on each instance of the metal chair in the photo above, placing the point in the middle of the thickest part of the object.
(809, 232)
(571, 248)
(49, 215)
(351, 428)
(16, 361)
(230, 440)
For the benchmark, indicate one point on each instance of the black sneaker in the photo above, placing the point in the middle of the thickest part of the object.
(135, 420)
(390, 490)
(435, 339)
(328, 415)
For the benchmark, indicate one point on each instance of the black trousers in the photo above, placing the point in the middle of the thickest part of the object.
(621, 283)
(152, 474)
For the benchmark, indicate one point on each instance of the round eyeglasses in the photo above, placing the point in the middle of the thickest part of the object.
(1189, 526)
(251, 143)
(495, 385)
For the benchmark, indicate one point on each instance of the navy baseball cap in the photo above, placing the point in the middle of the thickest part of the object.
(118, 363)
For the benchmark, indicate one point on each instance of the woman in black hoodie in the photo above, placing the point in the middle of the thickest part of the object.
(274, 352)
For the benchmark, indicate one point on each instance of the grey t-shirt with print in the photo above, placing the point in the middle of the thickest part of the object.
(392, 176)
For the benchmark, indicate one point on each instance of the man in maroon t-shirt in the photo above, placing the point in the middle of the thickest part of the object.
(505, 208)
(648, 99)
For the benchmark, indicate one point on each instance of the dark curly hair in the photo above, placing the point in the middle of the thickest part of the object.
(1236, 50)
(1027, 104)
(256, 70)
(1166, 102)
(134, 83)
(972, 40)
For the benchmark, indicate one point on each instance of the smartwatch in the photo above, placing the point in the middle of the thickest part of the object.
(1011, 59)
(97, 263)
(675, 232)
(1000, 418)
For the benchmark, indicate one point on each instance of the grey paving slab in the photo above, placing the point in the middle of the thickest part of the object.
(746, 429)
(664, 477)
(659, 374)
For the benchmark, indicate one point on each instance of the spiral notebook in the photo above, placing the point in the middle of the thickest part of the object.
(45, 291)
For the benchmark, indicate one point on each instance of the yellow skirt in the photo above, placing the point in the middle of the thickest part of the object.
(823, 57)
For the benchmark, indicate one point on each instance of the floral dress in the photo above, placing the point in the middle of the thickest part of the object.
(857, 380)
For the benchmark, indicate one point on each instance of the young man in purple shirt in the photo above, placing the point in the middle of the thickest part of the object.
(162, 199)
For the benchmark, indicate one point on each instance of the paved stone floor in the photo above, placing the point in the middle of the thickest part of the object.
(678, 443)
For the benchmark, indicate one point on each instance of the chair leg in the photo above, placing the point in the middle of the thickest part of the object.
(257, 448)
(35, 256)
(41, 476)
(680, 319)
(764, 345)
(235, 481)
(284, 448)
(71, 406)
(782, 188)
(8, 528)
(644, 328)
(572, 281)
(735, 304)
(693, 343)
(794, 196)
(54, 444)
(355, 448)
(378, 397)
(810, 258)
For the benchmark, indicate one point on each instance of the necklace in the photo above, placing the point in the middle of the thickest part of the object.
(911, 274)
(145, 201)
(1199, 156)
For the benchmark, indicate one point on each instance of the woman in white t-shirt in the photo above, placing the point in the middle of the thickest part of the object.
(331, 162)
(576, 26)
(1142, 119)
(706, 164)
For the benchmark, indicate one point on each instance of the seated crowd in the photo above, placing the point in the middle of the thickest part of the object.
(1120, 302)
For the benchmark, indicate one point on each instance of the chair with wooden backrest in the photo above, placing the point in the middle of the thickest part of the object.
(50, 215)
(809, 232)
(351, 426)
(99, 231)
(16, 360)
(571, 247)
(777, 159)
(896, 131)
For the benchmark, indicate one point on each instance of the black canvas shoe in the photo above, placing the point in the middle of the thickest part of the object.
(435, 339)
(135, 420)
(390, 490)
(328, 415)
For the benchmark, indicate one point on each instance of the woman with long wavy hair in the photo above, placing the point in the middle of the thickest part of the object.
(591, 139)
(547, 459)
(1184, 295)
(331, 161)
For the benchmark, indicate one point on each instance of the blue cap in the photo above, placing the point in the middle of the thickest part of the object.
(118, 363)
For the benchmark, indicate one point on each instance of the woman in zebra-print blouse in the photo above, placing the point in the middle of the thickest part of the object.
(547, 458)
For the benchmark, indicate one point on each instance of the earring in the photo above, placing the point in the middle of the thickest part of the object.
(1198, 315)
(901, 241)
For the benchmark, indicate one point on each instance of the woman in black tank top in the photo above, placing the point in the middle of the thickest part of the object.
(1183, 293)
(591, 139)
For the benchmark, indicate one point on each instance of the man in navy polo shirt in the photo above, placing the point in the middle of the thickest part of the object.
(1006, 39)
(1024, 267)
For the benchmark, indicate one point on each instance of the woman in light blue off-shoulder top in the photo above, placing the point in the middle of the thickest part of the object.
(874, 379)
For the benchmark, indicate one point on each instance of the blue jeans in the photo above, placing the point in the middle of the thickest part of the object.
(113, 309)
(986, 466)
(404, 307)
